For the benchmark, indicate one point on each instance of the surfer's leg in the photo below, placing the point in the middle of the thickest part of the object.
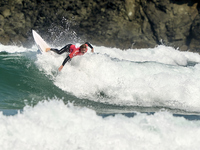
(54, 50)
(65, 48)
(62, 50)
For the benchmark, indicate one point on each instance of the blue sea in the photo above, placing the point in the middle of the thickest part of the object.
(141, 99)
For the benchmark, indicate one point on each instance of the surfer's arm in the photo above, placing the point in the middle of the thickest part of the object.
(66, 59)
(60, 68)
(90, 46)
(64, 62)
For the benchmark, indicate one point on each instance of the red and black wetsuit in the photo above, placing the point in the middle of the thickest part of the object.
(72, 49)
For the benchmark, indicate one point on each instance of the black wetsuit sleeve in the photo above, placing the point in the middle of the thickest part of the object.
(66, 59)
(89, 45)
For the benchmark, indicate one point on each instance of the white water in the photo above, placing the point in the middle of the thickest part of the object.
(55, 126)
(153, 77)
(15, 49)
(147, 77)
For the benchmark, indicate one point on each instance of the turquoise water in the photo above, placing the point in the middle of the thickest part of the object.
(21, 81)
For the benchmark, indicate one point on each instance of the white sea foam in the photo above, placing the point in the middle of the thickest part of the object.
(159, 76)
(161, 53)
(55, 126)
(146, 77)
(15, 49)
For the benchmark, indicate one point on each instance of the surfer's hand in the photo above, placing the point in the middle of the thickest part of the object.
(92, 50)
(60, 68)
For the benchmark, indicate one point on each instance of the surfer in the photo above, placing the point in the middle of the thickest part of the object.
(72, 50)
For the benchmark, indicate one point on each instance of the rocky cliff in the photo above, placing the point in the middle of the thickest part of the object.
(122, 23)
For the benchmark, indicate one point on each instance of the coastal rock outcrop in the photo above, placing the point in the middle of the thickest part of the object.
(124, 23)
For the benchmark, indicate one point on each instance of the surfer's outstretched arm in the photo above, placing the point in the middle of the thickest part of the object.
(60, 68)
(64, 62)
(92, 49)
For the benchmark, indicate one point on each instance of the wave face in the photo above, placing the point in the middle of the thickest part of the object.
(161, 77)
(100, 96)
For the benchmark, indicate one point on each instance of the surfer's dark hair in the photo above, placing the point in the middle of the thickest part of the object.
(83, 46)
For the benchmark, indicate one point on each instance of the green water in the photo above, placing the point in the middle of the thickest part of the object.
(22, 83)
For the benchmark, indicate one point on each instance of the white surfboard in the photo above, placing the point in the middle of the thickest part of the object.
(41, 44)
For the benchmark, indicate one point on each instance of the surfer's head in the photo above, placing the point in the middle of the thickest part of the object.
(83, 48)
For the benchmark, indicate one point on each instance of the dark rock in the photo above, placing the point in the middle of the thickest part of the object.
(123, 23)
(171, 22)
(1, 21)
(196, 28)
(6, 13)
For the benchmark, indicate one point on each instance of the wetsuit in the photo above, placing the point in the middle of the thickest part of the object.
(72, 49)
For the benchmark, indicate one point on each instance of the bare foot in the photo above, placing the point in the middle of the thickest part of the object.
(47, 49)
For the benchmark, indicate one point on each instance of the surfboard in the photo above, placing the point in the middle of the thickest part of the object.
(41, 44)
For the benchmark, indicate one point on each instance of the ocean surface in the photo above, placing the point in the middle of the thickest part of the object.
(141, 99)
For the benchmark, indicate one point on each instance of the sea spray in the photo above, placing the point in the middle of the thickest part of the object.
(54, 125)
